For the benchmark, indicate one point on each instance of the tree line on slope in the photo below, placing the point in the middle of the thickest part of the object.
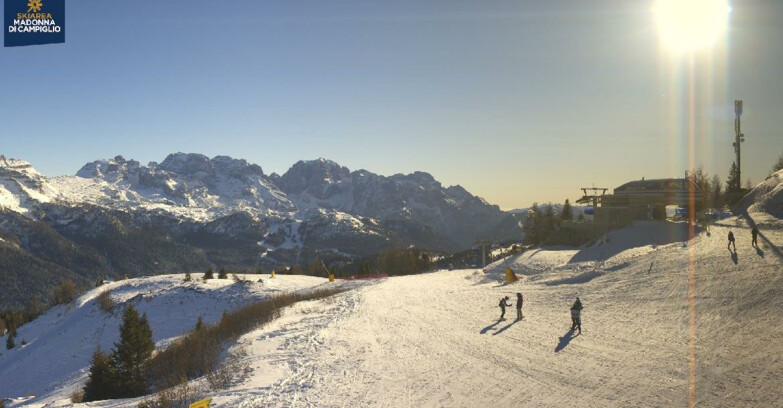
(130, 370)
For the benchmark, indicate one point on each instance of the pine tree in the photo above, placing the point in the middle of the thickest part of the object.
(131, 354)
(222, 274)
(530, 226)
(550, 222)
(209, 274)
(102, 382)
(199, 324)
(733, 182)
(567, 213)
(9, 342)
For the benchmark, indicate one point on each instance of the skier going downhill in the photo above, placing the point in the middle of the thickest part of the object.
(576, 316)
(503, 306)
(519, 306)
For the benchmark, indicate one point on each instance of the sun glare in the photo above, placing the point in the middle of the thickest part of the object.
(690, 25)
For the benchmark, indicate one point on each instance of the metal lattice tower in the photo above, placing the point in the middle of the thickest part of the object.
(738, 139)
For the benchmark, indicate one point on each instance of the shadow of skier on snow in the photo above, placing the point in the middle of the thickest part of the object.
(759, 252)
(490, 327)
(770, 246)
(734, 257)
(566, 339)
(504, 328)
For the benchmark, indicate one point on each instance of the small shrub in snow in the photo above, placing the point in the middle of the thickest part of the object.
(233, 369)
(180, 396)
(77, 396)
(187, 277)
(105, 301)
(9, 342)
(222, 274)
(199, 324)
(64, 293)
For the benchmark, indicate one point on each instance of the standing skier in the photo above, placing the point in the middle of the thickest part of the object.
(576, 315)
(519, 306)
(503, 306)
(731, 241)
(755, 234)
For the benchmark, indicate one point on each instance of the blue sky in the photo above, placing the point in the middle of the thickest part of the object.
(515, 101)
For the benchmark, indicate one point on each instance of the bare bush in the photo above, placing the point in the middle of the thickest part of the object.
(234, 369)
(179, 396)
(77, 395)
(105, 302)
(64, 293)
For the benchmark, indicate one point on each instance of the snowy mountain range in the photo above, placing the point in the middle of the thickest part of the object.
(190, 212)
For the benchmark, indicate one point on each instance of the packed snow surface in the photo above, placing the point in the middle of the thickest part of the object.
(434, 340)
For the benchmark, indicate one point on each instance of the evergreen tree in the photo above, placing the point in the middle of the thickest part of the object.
(9, 342)
(550, 220)
(529, 227)
(131, 354)
(222, 274)
(199, 324)
(733, 182)
(567, 213)
(209, 274)
(102, 382)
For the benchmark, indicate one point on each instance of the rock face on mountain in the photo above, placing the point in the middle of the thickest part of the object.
(214, 187)
(119, 217)
(417, 198)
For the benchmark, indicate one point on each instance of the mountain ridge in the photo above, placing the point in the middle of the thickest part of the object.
(189, 212)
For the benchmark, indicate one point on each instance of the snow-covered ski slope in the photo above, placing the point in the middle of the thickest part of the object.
(435, 340)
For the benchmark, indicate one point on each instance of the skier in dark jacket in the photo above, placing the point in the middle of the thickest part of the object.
(519, 306)
(731, 241)
(755, 234)
(503, 306)
(576, 315)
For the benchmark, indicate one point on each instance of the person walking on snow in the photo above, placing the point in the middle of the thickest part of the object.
(576, 315)
(519, 306)
(503, 306)
(731, 241)
(755, 234)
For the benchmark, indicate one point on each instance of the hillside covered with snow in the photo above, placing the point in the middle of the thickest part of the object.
(667, 321)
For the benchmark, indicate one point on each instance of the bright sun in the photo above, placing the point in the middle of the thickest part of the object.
(689, 25)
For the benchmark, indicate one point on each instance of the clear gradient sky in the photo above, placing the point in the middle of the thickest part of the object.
(516, 101)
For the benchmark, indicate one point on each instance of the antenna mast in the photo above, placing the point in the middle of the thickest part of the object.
(738, 139)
